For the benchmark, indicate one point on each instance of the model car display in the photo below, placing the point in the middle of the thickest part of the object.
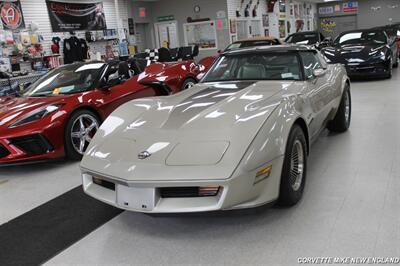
(245, 43)
(238, 139)
(314, 38)
(59, 114)
(365, 53)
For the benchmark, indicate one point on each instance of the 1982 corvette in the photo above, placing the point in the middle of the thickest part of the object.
(59, 114)
(238, 139)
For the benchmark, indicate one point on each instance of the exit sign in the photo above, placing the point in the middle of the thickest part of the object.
(142, 12)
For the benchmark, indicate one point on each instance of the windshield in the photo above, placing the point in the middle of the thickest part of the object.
(251, 43)
(67, 79)
(303, 38)
(255, 66)
(366, 37)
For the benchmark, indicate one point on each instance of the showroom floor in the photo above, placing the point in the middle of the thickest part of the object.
(350, 207)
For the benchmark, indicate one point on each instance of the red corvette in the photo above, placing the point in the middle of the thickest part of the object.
(58, 115)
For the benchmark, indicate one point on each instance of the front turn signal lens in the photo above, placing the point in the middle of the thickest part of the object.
(263, 174)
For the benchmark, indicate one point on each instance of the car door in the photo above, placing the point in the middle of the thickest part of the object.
(319, 90)
(111, 98)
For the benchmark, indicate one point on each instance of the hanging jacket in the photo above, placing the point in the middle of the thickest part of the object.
(72, 50)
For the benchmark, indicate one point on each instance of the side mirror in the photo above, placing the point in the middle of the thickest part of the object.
(220, 51)
(319, 72)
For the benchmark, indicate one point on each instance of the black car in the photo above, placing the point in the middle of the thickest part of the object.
(364, 53)
(314, 38)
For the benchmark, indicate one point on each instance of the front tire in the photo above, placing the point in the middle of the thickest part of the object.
(79, 131)
(342, 120)
(188, 83)
(294, 168)
(390, 70)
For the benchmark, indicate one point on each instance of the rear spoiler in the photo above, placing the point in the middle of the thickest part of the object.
(160, 86)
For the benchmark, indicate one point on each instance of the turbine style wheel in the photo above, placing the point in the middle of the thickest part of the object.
(80, 129)
(296, 165)
(294, 168)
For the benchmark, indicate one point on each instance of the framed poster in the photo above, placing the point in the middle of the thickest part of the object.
(131, 26)
(282, 29)
(265, 20)
(74, 16)
(11, 15)
(203, 34)
(232, 26)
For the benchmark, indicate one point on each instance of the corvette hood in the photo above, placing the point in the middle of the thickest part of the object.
(201, 133)
(12, 108)
(353, 53)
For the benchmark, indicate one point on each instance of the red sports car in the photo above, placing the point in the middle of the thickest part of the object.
(58, 115)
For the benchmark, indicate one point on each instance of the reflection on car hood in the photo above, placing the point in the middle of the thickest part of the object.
(12, 108)
(228, 114)
(353, 53)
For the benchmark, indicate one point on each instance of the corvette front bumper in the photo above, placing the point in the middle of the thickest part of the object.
(23, 145)
(239, 191)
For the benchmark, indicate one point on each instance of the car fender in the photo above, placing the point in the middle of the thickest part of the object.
(270, 141)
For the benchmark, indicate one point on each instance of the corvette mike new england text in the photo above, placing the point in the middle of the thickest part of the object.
(349, 260)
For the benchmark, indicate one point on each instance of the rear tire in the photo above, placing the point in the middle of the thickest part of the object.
(294, 168)
(80, 129)
(188, 83)
(342, 120)
(396, 64)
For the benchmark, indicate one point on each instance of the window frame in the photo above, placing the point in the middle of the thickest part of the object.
(315, 53)
(302, 76)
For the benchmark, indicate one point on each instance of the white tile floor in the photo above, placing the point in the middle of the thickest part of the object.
(351, 205)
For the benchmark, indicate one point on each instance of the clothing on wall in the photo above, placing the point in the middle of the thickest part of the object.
(55, 46)
(75, 50)
(85, 48)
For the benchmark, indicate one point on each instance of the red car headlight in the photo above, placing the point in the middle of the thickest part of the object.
(36, 115)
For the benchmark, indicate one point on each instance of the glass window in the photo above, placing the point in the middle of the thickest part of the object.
(303, 38)
(255, 66)
(310, 63)
(67, 79)
(251, 43)
(362, 37)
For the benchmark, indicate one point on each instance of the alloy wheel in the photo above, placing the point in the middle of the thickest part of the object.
(297, 165)
(347, 107)
(188, 85)
(83, 129)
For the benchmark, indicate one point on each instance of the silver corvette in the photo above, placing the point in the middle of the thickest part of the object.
(238, 139)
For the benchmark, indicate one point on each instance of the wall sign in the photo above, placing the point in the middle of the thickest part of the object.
(350, 7)
(166, 18)
(325, 10)
(73, 16)
(142, 12)
(11, 15)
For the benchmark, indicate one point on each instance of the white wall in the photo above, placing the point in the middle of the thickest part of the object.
(274, 17)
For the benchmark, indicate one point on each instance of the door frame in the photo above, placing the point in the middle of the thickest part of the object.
(156, 33)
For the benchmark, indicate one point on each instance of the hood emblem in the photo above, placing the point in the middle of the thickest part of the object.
(143, 155)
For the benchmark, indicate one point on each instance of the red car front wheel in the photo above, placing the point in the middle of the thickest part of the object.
(80, 130)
